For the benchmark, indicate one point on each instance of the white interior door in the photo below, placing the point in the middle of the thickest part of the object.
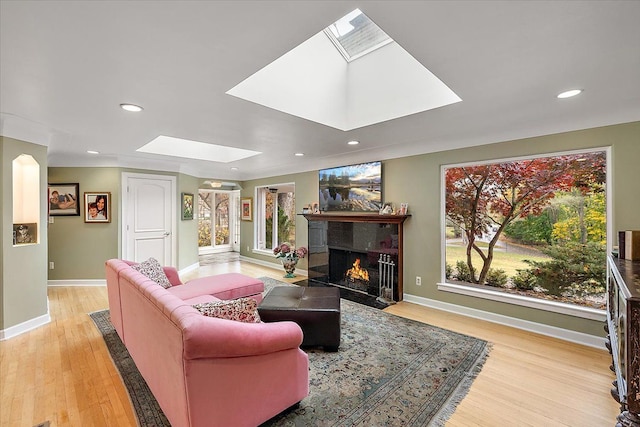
(149, 213)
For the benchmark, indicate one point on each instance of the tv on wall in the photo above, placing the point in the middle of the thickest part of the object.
(353, 188)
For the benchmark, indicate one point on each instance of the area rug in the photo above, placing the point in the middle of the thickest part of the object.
(389, 371)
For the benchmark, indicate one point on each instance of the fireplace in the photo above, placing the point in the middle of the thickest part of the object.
(360, 252)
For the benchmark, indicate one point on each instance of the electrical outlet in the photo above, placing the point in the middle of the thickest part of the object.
(50, 220)
(248, 250)
(418, 281)
(51, 265)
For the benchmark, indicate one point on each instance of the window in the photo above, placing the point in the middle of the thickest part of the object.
(215, 218)
(275, 216)
(355, 35)
(529, 229)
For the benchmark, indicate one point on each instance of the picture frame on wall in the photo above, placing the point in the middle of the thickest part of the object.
(25, 233)
(63, 199)
(97, 207)
(187, 206)
(246, 209)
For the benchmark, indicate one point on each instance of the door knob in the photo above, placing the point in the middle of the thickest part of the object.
(166, 233)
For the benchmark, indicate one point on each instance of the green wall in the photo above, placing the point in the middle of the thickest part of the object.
(79, 249)
(416, 180)
(23, 286)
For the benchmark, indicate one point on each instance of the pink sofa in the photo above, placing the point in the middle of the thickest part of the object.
(206, 371)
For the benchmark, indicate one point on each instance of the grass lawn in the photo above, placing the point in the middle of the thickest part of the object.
(507, 261)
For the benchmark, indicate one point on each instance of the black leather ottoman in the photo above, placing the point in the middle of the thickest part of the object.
(316, 310)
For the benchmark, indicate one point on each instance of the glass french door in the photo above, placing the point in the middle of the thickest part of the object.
(217, 221)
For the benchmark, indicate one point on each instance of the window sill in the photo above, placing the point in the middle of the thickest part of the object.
(539, 304)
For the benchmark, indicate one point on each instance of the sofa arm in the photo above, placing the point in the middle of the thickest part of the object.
(172, 275)
(209, 337)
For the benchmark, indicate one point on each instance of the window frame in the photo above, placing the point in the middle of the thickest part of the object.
(259, 230)
(524, 301)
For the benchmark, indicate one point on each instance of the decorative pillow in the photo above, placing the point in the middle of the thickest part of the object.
(241, 309)
(153, 270)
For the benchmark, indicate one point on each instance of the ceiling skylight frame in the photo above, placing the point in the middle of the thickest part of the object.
(349, 58)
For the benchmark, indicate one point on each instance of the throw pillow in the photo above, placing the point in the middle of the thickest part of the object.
(153, 270)
(241, 309)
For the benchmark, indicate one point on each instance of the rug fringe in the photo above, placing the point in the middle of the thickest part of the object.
(447, 410)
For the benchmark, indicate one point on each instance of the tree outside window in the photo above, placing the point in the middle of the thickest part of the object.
(276, 210)
(533, 227)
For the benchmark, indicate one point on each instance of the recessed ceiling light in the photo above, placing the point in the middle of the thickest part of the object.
(131, 107)
(234, 168)
(93, 152)
(299, 154)
(569, 93)
(353, 142)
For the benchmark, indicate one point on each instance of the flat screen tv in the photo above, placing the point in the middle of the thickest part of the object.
(353, 188)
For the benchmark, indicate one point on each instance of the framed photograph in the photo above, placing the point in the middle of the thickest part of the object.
(187, 206)
(63, 199)
(25, 233)
(246, 212)
(97, 207)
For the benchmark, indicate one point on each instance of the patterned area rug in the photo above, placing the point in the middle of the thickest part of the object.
(389, 371)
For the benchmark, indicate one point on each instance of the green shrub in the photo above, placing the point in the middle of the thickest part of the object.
(463, 272)
(448, 271)
(524, 280)
(575, 269)
(496, 277)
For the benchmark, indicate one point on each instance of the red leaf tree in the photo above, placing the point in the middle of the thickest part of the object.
(480, 198)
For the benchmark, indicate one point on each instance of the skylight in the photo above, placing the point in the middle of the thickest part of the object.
(356, 35)
(178, 147)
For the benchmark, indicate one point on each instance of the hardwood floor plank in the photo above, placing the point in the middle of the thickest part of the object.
(62, 372)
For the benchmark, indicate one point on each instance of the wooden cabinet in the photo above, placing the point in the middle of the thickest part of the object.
(623, 339)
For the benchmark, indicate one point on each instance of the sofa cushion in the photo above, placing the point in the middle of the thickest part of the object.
(201, 299)
(224, 286)
(241, 309)
(153, 270)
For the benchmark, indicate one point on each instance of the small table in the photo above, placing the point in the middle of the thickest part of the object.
(315, 309)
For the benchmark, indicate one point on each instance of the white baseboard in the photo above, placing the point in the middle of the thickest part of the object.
(77, 282)
(189, 268)
(270, 264)
(539, 328)
(23, 327)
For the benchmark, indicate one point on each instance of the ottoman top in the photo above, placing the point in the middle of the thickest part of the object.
(302, 298)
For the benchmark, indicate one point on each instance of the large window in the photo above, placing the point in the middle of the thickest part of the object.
(275, 216)
(531, 229)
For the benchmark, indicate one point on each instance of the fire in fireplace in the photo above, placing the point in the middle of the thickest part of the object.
(357, 277)
(357, 273)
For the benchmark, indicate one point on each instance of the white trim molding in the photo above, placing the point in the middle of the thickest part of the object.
(77, 282)
(21, 328)
(189, 268)
(538, 328)
(538, 304)
(271, 264)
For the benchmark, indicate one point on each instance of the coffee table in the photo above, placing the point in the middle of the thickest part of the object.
(315, 309)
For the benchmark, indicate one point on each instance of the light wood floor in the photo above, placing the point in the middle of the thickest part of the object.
(62, 372)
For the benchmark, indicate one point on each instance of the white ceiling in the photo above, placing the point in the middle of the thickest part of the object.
(66, 66)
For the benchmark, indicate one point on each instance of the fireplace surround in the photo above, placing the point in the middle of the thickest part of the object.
(361, 252)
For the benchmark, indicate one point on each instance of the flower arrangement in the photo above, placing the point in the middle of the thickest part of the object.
(289, 253)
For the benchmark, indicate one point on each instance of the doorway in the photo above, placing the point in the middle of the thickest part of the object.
(149, 217)
(218, 221)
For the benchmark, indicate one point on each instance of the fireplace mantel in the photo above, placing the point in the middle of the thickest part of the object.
(384, 219)
(366, 240)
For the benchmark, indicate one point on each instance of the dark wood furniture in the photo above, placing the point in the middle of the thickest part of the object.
(315, 310)
(623, 339)
(371, 246)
